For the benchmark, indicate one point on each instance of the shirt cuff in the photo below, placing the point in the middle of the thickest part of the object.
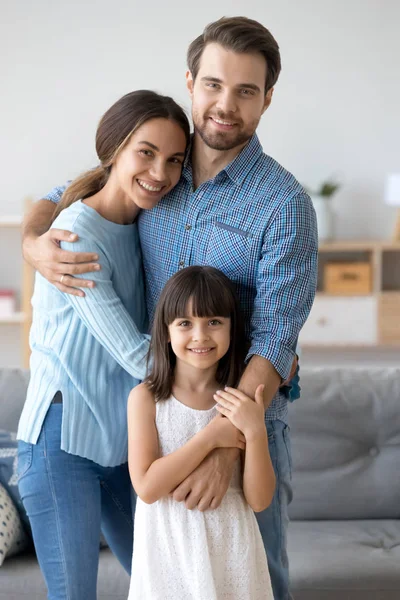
(278, 355)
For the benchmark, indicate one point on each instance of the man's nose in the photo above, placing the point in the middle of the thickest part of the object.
(226, 102)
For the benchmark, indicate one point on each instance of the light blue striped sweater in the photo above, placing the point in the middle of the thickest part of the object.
(92, 349)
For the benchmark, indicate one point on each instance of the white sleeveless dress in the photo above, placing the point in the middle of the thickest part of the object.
(182, 554)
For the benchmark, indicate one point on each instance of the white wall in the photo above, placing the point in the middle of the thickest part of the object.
(335, 108)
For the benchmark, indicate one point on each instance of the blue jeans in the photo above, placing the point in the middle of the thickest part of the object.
(69, 499)
(274, 520)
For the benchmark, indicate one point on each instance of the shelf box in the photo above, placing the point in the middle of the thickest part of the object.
(348, 278)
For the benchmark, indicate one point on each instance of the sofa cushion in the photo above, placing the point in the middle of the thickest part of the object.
(346, 444)
(332, 560)
(13, 386)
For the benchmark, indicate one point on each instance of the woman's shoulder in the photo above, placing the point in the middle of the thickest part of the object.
(69, 216)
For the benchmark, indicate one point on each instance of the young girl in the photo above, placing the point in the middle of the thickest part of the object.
(88, 352)
(174, 421)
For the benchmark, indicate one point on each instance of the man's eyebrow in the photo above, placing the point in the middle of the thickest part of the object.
(250, 86)
(158, 150)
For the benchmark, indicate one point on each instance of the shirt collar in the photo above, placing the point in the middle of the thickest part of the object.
(238, 169)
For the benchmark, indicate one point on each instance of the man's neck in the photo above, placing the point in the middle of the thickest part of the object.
(207, 163)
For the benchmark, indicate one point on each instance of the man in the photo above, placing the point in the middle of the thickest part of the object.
(236, 209)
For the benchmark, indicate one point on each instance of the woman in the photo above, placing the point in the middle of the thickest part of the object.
(87, 353)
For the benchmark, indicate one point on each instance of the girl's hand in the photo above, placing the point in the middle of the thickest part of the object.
(226, 435)
(243, 412)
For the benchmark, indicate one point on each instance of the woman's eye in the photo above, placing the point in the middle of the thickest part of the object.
(146, 152)
(176, 161)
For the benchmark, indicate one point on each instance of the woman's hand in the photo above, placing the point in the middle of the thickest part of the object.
(226, 435)
(242, 411)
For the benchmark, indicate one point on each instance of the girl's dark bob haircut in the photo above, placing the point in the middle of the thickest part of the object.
(210, 294)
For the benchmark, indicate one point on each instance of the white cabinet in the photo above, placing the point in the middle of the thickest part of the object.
(344, 321)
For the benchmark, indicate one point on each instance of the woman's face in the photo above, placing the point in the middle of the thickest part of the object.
(150, 165)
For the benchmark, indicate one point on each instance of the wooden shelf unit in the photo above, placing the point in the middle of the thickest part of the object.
(371, 319)
(23, 318)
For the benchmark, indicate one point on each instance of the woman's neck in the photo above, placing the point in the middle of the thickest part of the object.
(113, 204)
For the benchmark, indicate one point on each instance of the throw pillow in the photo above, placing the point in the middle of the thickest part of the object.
(8, 471)
(13, 538)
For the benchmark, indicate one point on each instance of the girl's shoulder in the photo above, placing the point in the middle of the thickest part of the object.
(141, 399)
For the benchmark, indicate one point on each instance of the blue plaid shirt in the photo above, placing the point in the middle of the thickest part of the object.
(255, 223)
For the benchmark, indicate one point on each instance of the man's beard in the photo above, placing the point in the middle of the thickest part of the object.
(221, 140)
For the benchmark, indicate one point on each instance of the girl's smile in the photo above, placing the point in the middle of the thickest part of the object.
(200, 341)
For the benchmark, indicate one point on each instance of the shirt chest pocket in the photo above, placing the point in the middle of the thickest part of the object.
(229, 249)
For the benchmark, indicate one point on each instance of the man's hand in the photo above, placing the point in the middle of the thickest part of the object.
(56, 265)
(207, 485)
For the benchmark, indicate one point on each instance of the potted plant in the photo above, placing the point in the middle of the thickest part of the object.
(322, 201)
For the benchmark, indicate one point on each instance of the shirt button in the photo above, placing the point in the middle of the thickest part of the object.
(373, 451)
(181, 264)
(188, 227)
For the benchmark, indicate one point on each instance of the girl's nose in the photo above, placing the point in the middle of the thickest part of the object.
(200, 334)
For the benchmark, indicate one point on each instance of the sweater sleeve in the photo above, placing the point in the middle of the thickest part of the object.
(105, 316)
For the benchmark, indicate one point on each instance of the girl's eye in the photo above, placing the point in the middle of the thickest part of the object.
(215, 322)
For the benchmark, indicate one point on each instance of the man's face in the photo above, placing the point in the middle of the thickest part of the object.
(228, 96)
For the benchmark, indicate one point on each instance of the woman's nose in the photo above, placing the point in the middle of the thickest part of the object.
(158, 171)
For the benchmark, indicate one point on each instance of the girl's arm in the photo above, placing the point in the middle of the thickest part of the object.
(258, 472)
(248, 416)
(154, 477)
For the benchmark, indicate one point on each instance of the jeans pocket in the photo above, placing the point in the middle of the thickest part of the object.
(25, 456)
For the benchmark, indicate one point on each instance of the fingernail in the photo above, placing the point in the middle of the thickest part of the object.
(95, 257)
(72, 236)
(97, 267)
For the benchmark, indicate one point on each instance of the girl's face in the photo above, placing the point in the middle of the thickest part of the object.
(200, 341)
(150, 165)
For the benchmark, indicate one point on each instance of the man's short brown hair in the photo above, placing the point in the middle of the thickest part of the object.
(241, 35)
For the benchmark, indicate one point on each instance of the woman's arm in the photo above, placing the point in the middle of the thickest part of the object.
(104, 315)
(154, 477)
(248, 416)
(41, 249)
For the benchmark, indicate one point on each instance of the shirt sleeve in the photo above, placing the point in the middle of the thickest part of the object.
(55, 194)
(105, 316)
(286, 283)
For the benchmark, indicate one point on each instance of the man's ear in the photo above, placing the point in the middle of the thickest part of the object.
(189, 83)
(268, 99)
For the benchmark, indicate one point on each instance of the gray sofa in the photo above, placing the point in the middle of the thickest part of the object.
(344, 541)
(344, 537)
